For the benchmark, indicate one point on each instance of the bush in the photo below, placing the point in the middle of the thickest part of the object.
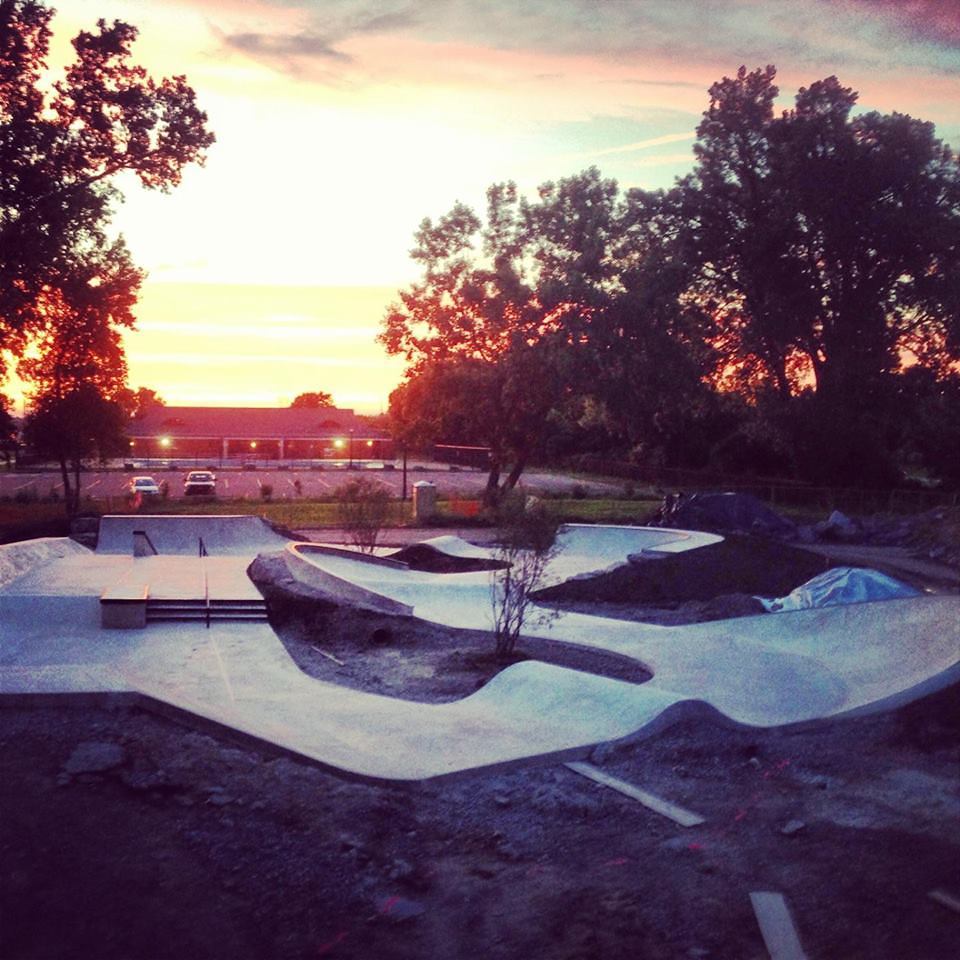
(266, 492)
(528, 536)
(363, 506)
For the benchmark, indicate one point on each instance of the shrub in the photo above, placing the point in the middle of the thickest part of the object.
(527, 544)
(363, 506)
(266, 492)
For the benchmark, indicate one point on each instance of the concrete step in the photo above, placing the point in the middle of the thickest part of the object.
(220, 610)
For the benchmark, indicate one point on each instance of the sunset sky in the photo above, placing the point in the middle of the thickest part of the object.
(340, 124)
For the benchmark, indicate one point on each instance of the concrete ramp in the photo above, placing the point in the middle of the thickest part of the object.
(180, 535)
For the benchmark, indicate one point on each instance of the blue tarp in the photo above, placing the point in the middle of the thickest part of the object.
(840, 585)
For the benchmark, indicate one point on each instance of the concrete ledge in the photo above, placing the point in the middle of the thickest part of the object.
(124, 606)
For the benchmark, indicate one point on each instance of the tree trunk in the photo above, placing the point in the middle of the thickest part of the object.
(515, 472)
(491, 495)
(67, 488)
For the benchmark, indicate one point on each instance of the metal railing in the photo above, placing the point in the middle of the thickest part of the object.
(203, 554)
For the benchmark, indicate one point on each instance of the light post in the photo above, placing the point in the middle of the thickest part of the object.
(350, 466)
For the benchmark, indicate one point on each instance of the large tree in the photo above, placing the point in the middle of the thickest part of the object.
(825, 241)
(61, 149)
(481, 341)
(72, 428)
(553, 311)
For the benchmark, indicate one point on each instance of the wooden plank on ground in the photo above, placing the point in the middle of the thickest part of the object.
(666, 809)
(776, 926)
(945, 899)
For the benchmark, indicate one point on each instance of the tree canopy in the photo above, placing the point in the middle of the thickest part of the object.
(487, 347)
(317, 400)
(60, 152)
(74, 427)
(827, 246)
(769, 306)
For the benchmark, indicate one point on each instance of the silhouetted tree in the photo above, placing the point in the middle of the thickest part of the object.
(515, 317)
(318, 400)
(60, 151)
(8, 431)
(824, 244)
(138, 402)
(74, 427)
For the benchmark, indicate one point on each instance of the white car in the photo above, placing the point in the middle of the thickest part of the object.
(200, 483)
(144, 487)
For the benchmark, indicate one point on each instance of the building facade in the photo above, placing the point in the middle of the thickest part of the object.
(216, 435)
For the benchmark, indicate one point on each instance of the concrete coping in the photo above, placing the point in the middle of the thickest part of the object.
(126, 593)
(306, 547)
(327, 584)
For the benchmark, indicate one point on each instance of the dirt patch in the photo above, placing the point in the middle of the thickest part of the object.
(738, 564)
(400, 656)
(194, 848)
(414, 660)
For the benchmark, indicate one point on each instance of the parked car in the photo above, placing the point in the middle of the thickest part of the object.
(144, 487)
(200, 483)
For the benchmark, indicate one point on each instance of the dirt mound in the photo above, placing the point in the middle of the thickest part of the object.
(738, 565)
(934, 534)
(737, 512)
(421, 556)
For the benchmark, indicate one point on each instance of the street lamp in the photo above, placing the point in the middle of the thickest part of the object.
(350, 467)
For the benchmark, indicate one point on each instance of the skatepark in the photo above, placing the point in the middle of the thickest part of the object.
(221, 666)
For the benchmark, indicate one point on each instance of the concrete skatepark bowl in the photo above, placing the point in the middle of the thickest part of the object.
(805, 667)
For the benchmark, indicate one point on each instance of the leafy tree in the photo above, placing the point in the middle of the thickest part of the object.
(74, 427)
(318, 400)
(491, 332)
(929, 406)
(138, 402)
(824, 244)
(60, 152)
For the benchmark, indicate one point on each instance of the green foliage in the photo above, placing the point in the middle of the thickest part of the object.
(527, 544)
(363, 509)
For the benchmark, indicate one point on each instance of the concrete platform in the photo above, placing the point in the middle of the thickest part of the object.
(786, 669)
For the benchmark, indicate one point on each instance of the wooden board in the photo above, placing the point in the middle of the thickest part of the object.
(666, 809)
(776, 926)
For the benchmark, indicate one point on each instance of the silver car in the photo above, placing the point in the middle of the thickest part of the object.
(144, 487)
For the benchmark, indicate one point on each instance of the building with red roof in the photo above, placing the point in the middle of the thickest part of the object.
(254, 434)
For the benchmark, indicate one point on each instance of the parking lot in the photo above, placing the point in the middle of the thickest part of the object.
(233, 483)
